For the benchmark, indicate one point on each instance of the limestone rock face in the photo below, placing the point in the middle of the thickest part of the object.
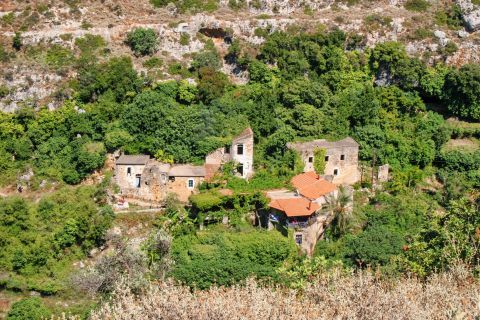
(471, 14)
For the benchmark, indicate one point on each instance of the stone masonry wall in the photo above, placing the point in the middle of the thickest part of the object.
(247, 158)
(180, 187)
(347, 169)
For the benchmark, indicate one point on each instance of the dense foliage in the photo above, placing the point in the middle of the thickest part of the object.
(302, 86)
(28, 308)
(39, 240)
(224, 258)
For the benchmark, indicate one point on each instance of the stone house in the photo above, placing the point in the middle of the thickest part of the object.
(239, 151)
(306, 210)
(341, 159)
(184, 180)
(140, 177)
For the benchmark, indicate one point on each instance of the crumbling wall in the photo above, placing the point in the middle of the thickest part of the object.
(179, 186)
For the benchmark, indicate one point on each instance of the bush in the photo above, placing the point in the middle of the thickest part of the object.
(142, 41)
(461, 91)
(17, 41)
(375, 246)
(28, 308)
(225, 258)
(417, 5)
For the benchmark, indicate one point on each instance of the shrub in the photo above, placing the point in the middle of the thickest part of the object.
(417, 5)
(142, 41)
(375, 246)
(153, 62)
(28, 308)
(89, 43)
(4, 91)
(17, 41)
(225, 258)
(184, 39)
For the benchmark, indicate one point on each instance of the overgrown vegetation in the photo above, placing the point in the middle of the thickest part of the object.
(302, 86)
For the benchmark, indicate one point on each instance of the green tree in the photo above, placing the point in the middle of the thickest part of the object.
(461, 91)
(446, 240)
(28, 308)
(319, 163)
(142, 41)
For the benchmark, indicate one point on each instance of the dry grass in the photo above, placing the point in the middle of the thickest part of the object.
(453, 295)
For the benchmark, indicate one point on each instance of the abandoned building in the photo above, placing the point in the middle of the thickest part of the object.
(306, 209)
(240, 151)
(341, 159)
(140, 177)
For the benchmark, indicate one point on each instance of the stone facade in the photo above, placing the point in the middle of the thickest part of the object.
(341, 160)
(142, 178)
(239, 151)
(183, 186)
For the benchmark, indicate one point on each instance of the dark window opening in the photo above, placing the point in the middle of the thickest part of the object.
(326, 158)
(138, 180)
(190, 183)
(227, 149)
(298, 239)
(310, 159)
(239, 148)
(342, 157)
(335, 172)
(240, 169)
(129, 171)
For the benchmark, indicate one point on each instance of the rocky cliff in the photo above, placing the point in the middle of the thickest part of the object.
(27, 76)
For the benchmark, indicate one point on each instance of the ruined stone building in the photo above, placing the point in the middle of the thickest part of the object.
(239, 151)
(143, 178)
(341, 159)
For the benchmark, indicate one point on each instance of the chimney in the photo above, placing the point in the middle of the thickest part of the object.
(310, 205)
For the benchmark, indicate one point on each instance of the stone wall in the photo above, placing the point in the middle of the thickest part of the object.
(247, 157)
(153, 180)
(222, 155)
(179, 186)
(346, 170)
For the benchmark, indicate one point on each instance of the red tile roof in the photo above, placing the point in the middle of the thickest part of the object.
(295, 207)
(311, 185)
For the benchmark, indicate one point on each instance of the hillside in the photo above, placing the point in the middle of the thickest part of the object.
(286, 159)
(42, 78)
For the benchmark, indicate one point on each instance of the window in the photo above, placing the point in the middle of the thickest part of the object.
(342, 157)
(191, 183)
(138, 180)
(239, 148)
(310, 159)
(227, 149)
(298, 239)
(129, 171)
(326, 158)
(240, 169)
(335, 172)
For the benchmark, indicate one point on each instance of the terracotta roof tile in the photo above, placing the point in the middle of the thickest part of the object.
(295, 207)
(311, 185)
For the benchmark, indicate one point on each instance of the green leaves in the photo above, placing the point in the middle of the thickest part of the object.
(447, 239)
(461, 91)
(142, 41)
(225, 258)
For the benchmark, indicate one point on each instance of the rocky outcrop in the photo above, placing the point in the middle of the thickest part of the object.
(471, 14)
